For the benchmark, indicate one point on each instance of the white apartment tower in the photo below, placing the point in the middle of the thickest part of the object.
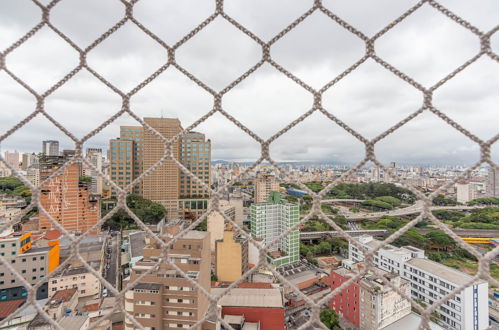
(493, 183)
(430, 281)
(50, 148)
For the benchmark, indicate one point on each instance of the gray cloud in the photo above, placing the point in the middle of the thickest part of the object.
(427, 46)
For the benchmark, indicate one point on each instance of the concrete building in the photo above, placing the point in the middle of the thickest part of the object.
(265, 183)
(162, 185)
(67, 199)
(262, 307)
(430, 281)
(467, 191)
(4, 170)
(216, 222)
(271, 219)
(33, 175)
(164, 299)
(94, 156)
(34, 264)
(25, 161)
(135, 134)
(195, 155)
(78, 278)
(231, 257)
(50, 148)
(61, 302)
(121, 161)
(12, 158)
(493, 183)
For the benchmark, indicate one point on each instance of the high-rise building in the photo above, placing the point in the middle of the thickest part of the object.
(33, 175)
(50, 148)
(163, 184)
(94, 156)
(271, 219)
(493, 183)
(12, 158)
(265, 183)
(430, 281)
(164, 299)
(135, 134)
(231, 257)
(195, 155)
(121, 161)
(67, 198)
(25, 161)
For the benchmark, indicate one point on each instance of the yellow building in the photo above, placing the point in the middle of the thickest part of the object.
(231, 257)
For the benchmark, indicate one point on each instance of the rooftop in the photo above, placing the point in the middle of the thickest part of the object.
(72, 322)
(410, 321)
(9, 307)
(447, 273)
(137, 243)
(195, 234)
(239, 297)
(64, 295)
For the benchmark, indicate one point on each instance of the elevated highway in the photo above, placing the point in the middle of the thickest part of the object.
(310, 235)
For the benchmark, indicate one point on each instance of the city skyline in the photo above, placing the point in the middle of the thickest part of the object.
(370, 99)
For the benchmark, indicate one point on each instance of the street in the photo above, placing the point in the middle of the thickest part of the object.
(111, 261)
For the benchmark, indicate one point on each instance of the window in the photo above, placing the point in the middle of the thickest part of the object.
(23, 259)
(34, 258)
(13, 281)
(13, 253)
(23, 271)
(13, 261)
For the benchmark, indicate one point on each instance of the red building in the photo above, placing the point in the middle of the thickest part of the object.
(346, 303)
(255, 305)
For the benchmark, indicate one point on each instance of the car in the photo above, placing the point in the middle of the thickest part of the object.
(104, 292)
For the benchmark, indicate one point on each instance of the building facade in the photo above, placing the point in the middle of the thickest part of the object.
(430, 281)
(50, 148)
(234, 250)
(493, 183)
(271, 219)
(34, 264)
(162, 185)
(135, 134)
(78, 278)
(67, 200)
(265, 183)
(94, 156)
(164, 299)
(12, 158)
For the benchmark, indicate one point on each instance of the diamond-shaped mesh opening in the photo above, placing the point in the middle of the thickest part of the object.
(331, 208)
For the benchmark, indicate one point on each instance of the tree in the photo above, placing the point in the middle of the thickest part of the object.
(330, 319)
(439, 239)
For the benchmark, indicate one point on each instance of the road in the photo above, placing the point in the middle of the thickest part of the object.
(111, 261)
(413, 209)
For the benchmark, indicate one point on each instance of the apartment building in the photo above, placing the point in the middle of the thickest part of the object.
(50, 148)
(493, 183)
(12, 158)
(271, 219)
(135, 134)
(78, 278)
(265, 183)
(34, 264)
(94, 156)
(164, 299)
(430, 281)
(121, 161)
(67, 199)
(216, 222)
(234, 249)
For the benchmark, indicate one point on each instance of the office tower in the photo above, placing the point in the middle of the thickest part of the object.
(195, 155)
(164, 299)
(34, 264)
(12, 158)
(25, 161)
(493, 183)
(231, 257)
(50, 148)
(67, 198)
(94, 156)
(135, 134)
(162, 185)
(265, 183)
(33, 175)
(271, 219)
(430, 281)
(121, 160)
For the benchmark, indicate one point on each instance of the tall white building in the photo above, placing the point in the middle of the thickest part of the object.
(12, 158)
(269, 220)
(430, 281)
(493, 183)
(94, 156)
(50, 148)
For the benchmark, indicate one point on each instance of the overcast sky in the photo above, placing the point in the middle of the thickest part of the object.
(427, 46)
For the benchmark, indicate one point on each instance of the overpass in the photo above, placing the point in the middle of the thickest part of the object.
(472, 233)
(410, 210)
(310, 235)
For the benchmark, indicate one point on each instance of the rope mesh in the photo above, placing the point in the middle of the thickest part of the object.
(215, 195)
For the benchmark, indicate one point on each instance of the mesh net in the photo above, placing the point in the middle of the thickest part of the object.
(215, 195)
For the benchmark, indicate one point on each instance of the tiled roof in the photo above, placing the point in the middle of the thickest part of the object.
(9, 307)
